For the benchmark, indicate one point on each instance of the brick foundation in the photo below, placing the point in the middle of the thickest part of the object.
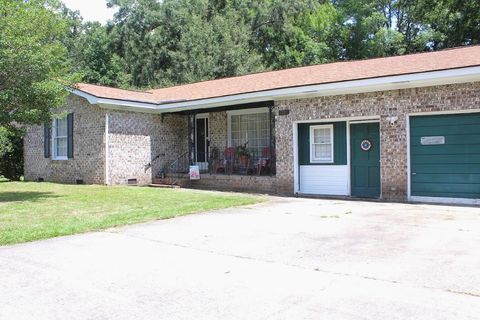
(258, 184)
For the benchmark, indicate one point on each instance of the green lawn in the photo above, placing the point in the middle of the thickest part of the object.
(31, 211)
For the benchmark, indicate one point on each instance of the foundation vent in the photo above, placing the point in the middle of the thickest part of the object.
(132, 182)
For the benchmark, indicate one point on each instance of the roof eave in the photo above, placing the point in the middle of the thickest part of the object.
(414, 80)
(116, 104)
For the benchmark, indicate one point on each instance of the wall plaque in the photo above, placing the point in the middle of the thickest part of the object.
(435, 140)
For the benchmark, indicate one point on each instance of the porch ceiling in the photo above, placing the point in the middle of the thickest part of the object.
(253, 105)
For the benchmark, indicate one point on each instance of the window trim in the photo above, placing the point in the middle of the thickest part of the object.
(312, 144)
(54, 139)
(242, 112)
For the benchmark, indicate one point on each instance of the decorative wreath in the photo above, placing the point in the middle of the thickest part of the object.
(366, 145)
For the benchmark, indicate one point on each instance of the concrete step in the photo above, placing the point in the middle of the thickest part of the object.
(166, 180)
(168, 186)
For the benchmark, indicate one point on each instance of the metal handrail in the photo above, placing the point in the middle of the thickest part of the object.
(179, 165)
(149, 165)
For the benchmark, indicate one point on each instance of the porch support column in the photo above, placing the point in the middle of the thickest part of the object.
(271, 119)
(191, 137)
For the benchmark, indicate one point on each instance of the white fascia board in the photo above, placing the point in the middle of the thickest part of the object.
(90, 98)
(424, 79)
(116, 104)
(122, 105)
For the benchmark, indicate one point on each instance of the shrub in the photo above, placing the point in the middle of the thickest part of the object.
(11, 153)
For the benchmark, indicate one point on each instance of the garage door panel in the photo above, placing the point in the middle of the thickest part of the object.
(472, 188)
(442, 168)
(446, 119)
(446, 178)
(450, 140)
(440, 149)
(452, 169)
(451, 159)
(448, 194)
(446, 130)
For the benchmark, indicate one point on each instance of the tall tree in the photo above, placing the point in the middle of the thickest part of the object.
(96, 60)
(213, 45)
(131, 31)
(180, 41)
(33, 72)
(322, 27)
(369, 29)
(153, 43)
(33, 61)
(454, 22)
(274, 30)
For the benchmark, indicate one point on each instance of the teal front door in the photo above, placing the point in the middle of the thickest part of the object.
(365, 160)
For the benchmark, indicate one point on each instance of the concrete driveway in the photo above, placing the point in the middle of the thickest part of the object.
(285, 259)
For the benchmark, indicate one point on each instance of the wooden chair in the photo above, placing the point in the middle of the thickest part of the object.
(227, 163)
(264, 163)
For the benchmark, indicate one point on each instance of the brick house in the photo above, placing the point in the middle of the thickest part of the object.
(403, 128)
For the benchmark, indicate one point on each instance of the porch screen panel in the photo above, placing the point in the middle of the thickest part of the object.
(252, 128)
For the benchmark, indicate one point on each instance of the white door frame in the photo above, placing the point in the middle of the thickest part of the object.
(203, 165)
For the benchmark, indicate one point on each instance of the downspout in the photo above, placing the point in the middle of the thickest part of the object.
(107, 171)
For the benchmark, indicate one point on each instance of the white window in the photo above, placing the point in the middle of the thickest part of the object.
(60, 139)
(250, 126)
(321, 143)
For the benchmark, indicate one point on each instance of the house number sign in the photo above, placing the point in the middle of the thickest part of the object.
(427, 141)
(366, 145)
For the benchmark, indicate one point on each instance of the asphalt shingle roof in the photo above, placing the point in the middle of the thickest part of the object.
(461, 57)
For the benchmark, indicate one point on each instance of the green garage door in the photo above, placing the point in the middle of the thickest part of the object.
(445, 156)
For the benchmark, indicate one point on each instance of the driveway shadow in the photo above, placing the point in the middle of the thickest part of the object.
(24, 196)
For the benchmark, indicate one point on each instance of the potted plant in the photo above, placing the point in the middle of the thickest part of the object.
(243, 154)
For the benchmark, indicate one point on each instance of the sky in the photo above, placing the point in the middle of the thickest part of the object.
(91, 10)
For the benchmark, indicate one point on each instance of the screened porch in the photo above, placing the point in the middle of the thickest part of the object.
(233, 141)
